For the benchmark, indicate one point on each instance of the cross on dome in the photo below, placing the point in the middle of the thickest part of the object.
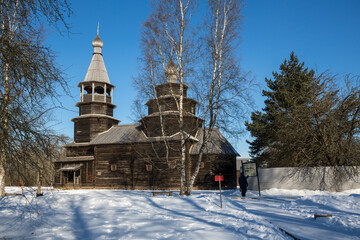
(97, 43)
(97, 71)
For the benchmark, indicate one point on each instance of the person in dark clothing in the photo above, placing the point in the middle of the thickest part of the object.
(243, 184)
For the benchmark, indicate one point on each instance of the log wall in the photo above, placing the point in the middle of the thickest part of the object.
(95, 107)
(86, 129)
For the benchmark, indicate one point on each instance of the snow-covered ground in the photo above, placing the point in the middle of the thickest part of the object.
(115, 214)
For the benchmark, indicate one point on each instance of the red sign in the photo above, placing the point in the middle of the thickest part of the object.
(219, 178)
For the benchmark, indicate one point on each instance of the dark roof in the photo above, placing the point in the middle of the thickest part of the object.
(217, 144)
(121, 134)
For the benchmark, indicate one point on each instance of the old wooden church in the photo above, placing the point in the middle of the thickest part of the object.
(143, 155)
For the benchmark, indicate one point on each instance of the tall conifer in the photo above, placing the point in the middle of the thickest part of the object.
(294, 88)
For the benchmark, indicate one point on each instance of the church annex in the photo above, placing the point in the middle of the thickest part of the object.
(143, 155)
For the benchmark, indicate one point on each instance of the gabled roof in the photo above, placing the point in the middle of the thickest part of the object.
(121, 134)
(216, 144)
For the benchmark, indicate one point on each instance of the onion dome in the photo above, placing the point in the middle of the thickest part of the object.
(171, 72)
(97, 43)
(97, 70)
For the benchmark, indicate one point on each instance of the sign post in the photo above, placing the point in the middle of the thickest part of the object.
(219, 178)
(250, 170)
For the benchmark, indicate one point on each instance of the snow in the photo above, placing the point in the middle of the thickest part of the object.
(117, 214)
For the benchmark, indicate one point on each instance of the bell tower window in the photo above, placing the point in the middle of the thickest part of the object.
(99, 90)
(88, 89)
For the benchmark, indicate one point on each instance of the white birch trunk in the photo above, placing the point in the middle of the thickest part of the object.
(5, 132)
(2, 176)
(180, 46)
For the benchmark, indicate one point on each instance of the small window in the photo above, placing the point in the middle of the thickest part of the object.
(148, 167)
(202, 165)
(113, 167)
(172, 164)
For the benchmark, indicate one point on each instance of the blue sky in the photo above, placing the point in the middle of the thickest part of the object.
(325, 34)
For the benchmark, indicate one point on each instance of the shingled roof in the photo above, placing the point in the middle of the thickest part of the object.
(217, 144)
(97, 70)
(121, 134)
(130, 134)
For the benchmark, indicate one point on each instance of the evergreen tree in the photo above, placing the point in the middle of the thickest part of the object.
(308, 121)
(292, 91)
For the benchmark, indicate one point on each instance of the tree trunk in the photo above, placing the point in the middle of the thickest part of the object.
(2, 176)
(183, 146)
(5, 131)
(181, 101)
(194, 174)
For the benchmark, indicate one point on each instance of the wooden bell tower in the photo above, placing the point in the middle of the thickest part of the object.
(96, 99)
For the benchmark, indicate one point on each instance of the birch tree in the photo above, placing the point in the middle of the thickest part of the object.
(167, 37)
(223, 89)
(205, 54)
(29, 78)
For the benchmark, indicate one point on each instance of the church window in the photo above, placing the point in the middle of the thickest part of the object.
(172, 164)
(148, 167)
(113, 167)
